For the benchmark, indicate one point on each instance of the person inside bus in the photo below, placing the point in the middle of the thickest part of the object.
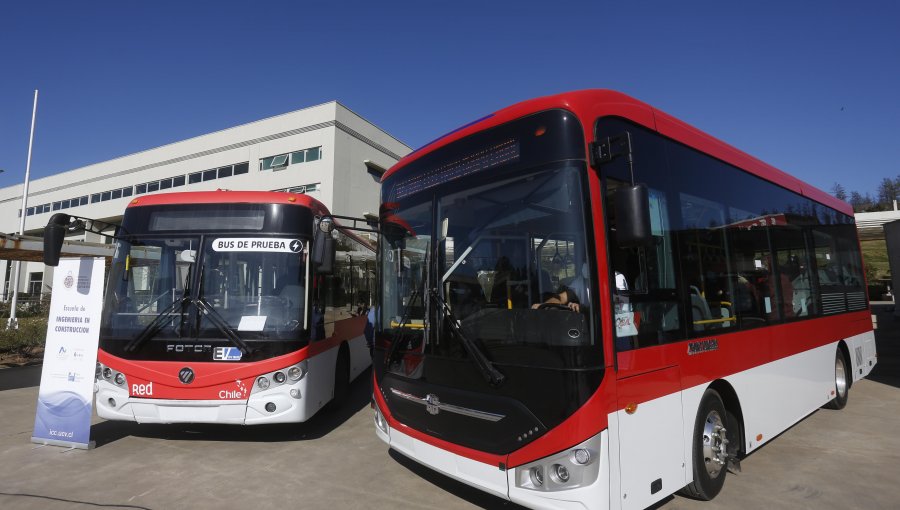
(572, 294)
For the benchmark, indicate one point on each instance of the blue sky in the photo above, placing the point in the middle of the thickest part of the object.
(810, 87)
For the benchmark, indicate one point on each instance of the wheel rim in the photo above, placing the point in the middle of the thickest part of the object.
(715, 453)
(840, 376)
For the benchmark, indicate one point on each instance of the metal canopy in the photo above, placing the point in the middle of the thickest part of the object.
(31, 248)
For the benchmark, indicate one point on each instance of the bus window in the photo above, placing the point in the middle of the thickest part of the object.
(646, 304)
(793, 267)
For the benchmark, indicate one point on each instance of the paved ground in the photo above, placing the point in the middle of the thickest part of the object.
(832, 460)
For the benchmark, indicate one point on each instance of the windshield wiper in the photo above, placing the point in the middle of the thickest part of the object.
(157, 324)
(490, 374)
(395, 338)
(220, 323)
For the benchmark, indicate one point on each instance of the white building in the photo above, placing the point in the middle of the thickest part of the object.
(326, 151)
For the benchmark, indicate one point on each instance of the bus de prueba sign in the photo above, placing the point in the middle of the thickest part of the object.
(267, 244)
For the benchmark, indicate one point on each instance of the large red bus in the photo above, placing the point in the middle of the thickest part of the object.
(587, 303)
(215, 312)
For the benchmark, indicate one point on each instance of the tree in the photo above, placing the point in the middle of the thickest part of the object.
(839, 192)
(887, 193)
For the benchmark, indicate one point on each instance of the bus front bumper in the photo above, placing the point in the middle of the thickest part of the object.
(514, 484)
(114, 403)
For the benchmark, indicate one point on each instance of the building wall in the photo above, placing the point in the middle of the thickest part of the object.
(339, 177)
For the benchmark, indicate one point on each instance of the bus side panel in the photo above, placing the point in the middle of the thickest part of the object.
(321, 380)
(862, 354)
(360, 359)
(777, 395)
(651, 454)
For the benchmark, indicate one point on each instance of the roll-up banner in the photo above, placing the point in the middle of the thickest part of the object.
(65, 399)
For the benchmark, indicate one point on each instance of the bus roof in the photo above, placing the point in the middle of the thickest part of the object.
(591, 104)
(230, 197)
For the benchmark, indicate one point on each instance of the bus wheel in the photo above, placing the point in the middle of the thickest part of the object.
(341, 376)
(841, 382)
(710, 450)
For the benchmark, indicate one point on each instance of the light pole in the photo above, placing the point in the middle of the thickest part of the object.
(13, 323)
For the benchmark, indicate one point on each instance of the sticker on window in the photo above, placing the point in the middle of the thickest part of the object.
(252, 323)
(266, 244)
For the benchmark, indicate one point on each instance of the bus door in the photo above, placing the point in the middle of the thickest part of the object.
(649, 421)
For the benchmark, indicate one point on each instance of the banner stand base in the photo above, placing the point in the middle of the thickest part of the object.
(54, 442)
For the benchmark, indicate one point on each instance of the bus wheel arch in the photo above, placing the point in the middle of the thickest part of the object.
(735, 416)
(843, 377)
(717, 427)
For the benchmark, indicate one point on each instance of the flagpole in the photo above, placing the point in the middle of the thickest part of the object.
(13, 323)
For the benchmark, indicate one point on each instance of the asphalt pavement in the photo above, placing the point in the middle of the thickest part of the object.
(831, 460)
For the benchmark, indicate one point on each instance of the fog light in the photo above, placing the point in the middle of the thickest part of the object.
(582, 456)
(295, 393)
(295, 373)
(120, 379)
(270, 407)
(279, 377)
(107, 373)
(262, 383)
(537, 476)
(112, 402)
(560, 473)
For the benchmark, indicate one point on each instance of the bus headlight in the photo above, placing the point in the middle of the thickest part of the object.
(262, 383)
(537, 475)
(575, 467)
(120, 379)
(295, 373)
(380, 422)
(278, 377)
(107, 373)
(559, 473)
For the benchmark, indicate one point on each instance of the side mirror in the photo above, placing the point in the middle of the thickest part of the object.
(54, 234)
(324, 249)
(633, 216)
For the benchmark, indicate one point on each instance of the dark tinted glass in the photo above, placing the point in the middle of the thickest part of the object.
(731, 250)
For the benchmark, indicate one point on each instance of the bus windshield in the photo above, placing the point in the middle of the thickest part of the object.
(253, 287)
(507, 262)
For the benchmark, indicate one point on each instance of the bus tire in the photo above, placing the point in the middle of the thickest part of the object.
(841, 382)
(341, 376)
(709, 449)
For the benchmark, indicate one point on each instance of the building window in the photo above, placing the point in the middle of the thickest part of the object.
(209, 175)
(28, 212)
(178, 181)
(225, 171)
(241, 168)
(314, 154)
(116, 193)
(35, 282)
(195, 177)
(126, 192)
(165, 183)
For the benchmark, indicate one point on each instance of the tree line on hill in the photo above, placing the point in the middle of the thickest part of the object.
(887, 192)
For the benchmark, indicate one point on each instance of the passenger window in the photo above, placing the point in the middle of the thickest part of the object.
(704, 264)
(793, 266)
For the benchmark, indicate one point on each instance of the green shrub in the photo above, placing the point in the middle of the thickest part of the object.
(31, 335)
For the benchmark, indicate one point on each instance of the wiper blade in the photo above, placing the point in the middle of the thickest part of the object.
(488, 371)
(157, 324)
(220, 323)
(395, 338)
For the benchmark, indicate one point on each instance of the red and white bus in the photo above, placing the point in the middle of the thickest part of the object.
(587, 303)
(215, 311)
